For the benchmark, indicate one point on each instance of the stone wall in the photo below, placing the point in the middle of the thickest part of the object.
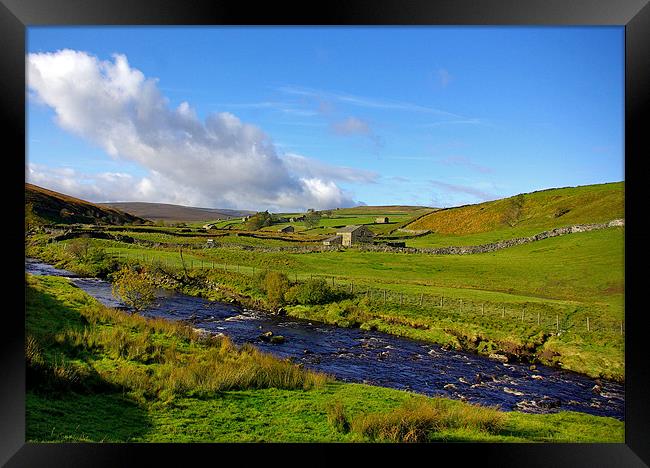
(474, 249)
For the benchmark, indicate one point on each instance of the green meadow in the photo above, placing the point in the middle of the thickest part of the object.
(100, 375)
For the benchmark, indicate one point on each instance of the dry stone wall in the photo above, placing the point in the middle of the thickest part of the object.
(475, 249)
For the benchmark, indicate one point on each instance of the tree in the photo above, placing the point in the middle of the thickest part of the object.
(133, 288)
(79, 247)
(312, 219)
(258, 221)
(275, 284)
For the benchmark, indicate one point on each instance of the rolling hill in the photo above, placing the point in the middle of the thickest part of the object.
(545, 209)
(168, 212)
(56, 207)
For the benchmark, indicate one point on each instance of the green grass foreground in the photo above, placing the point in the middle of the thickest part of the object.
(96, 374)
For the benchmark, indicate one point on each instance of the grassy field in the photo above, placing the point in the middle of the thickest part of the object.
(522, 215)
(559, 300)
(100, 375)
(514, 300)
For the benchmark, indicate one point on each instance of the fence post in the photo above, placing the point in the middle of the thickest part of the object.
(352, 287)
(587, 323)
(442, 298)
(384, 297)
(523, 310)
(621, 328)
(483, 309)
(538, 317)
(421, 298)
(557, 322)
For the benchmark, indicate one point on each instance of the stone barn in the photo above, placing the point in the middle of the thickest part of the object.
(382, 220)
(286, 229)
(335, 240)
(355, 234)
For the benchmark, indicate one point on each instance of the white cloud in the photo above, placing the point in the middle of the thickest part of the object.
(312, 168)
(219, 162)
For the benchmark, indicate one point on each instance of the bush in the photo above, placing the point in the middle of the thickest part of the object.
(275, 285)
(313, 291)
(133, 288)
(79, 247)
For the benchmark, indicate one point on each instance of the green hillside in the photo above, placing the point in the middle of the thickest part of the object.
(529, 213)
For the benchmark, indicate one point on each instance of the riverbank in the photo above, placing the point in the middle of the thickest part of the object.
(120, 389)
(597, 354)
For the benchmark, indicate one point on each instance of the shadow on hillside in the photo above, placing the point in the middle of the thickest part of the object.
(67, 399)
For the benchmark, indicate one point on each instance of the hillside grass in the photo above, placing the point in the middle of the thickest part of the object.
(101, 375)
(522, 215)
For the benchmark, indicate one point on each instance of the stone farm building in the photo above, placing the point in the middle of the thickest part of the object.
(382, 220)
(334, 240)
(286, 229)
(351, 235)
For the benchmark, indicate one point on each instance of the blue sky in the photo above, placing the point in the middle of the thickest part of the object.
(436, 116)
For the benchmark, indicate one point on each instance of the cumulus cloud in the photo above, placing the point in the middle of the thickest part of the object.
(112, 186)
(218, 162)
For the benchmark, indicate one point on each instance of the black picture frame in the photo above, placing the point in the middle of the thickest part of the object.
(634, 15)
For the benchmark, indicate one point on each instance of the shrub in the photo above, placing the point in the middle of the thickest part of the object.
(275, 285)
(79, 247)
(313, 291)
(133, 288)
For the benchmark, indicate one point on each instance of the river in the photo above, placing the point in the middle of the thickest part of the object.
(375, 358)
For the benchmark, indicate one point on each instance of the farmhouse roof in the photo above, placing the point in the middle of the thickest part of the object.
(351, 228)
(330, 239)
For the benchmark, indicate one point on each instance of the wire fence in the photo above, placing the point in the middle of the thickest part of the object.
(544, 316)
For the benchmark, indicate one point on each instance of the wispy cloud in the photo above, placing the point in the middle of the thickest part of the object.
(411, 158)
(444, 77)
(464, 189)
(354, 126)
(366, 102)
(284, 107)
(473, 121)
(307, 167)
(466, 162)
(351, 126)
